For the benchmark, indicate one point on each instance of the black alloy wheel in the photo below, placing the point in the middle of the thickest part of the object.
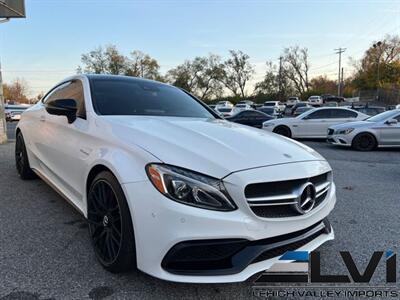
(364, 142)
(21, 159)
(283, 130)
(110, 224)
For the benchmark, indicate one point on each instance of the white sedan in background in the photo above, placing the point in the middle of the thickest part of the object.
(240, 107)
(313, 123)
(315, 100)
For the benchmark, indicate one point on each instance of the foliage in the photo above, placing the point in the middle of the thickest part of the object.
(111, 61)
(142, 65)
(209, 77)
(382, 60)
(16, 91)
(201, 76)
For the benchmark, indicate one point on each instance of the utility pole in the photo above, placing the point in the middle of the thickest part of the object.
(378, 62)
(342, 83)
(3, 123)
(280, 78)
(339, 51)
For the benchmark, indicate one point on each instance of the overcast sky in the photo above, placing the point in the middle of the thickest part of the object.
(47, 45)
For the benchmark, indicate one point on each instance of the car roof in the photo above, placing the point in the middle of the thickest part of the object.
(120, 78)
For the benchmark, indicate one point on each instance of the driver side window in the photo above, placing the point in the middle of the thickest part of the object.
(69, 90)
(319, 114)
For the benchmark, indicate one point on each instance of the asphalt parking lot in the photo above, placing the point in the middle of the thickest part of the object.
(45, 251)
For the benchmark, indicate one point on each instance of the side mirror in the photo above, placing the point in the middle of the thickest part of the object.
(392, 122)
(63, 107)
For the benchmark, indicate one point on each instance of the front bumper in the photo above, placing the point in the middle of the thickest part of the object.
(231, 256)
(339, 139)
(161, 225)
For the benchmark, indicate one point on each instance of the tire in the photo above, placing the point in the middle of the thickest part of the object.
(21, 159)
(283, 130)
(364, 142)
(110, 224)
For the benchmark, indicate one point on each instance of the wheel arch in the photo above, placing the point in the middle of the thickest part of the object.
(283, 126)
(94, 171)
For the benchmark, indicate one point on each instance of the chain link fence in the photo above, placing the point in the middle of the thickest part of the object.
(383, 97)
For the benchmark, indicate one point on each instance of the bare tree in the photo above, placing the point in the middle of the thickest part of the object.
(142, 65)
(237, 72)
(295, 67)
(16, 91)
(209, 73)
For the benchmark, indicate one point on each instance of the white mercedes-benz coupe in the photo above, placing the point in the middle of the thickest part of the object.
(169, 187)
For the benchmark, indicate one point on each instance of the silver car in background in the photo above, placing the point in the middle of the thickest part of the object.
(382, 130)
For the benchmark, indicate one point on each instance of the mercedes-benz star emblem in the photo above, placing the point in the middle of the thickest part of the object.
(306, 200)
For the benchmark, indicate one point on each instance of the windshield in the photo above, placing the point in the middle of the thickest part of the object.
(269, 104)
(126, 96)
(240, 105)
(382, 116)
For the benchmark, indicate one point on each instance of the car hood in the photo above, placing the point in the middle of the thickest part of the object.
(356, 124)
(214, 147)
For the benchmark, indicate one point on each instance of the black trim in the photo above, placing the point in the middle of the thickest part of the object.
(231, 256)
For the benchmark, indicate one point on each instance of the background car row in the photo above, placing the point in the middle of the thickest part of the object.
(362, 127)
(13, 112)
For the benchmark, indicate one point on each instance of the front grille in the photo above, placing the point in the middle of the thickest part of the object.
(278, 199)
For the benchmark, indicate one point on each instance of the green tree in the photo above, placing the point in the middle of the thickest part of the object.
(103, 61)
(201, 76)
(382, 59)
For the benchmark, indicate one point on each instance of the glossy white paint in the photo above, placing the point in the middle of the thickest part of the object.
(304, 126)
(64, 154)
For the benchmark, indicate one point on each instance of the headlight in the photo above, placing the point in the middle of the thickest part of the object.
(189, 187)
(345, 131)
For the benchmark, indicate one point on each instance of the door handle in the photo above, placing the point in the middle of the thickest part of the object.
(42, 119)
